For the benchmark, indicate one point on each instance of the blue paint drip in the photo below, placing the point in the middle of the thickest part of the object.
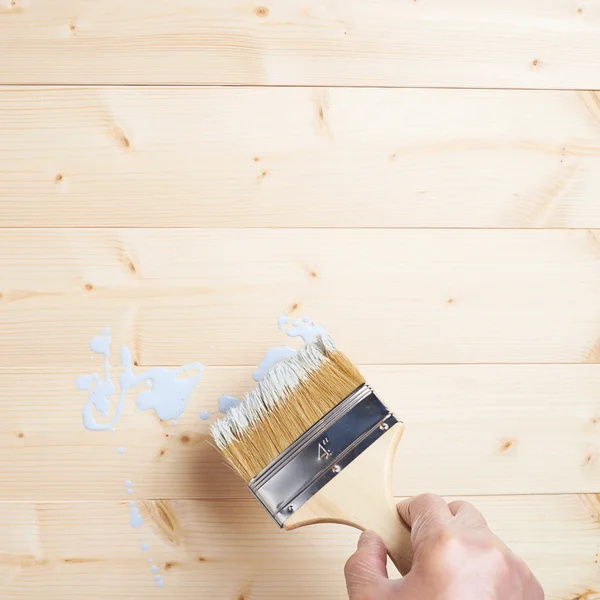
(135, 519)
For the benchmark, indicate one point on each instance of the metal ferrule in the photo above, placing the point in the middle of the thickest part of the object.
(321, 453)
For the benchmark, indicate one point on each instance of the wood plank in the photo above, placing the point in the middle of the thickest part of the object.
(231, 549)
(387, 296)
(287, 157)
(498, 429)
(295, 42)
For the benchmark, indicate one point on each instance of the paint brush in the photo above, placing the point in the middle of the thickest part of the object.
(316, 445)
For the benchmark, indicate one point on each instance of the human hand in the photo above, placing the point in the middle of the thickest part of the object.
(456, 557)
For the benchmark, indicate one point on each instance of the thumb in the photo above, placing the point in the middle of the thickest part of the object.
(367, 566)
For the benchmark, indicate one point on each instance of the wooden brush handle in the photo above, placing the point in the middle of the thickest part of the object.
(361, 496)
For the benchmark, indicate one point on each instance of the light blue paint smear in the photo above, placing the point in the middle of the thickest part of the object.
(129, 491)
(157, 577)
(85, 382)
(168, 395)
(100, 389)
(132, 503)
(154, 568)
(128, 483)
(160, 584)
(145, 547)
(135, 519)
(100, 344)
(308, 330)
(205, 415)
(271, 358)
(121, 450)
(282, 321)
(226, 402)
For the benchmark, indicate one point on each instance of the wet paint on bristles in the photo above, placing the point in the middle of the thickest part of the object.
(292, 397)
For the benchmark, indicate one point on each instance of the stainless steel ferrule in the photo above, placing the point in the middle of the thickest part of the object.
(322, 452)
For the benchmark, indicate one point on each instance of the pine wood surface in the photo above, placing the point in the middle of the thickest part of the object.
(513, 429)
(298, 157)
(230, 548)
(511, 44)
(423, 178)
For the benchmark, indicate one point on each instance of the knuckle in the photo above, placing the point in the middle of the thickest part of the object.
(500, 560)
(444, 551)
(521, 567)
(423, 504)
(445, 540)
(428, 498)
(449, 546)
(453, 549)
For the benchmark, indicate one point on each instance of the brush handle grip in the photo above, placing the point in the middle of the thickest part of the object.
(361, 496)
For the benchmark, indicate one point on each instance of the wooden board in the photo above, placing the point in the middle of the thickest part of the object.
(421, 177)
(385, 42)
(289, 157)
(389, 296)
(230, 549)
(498, 429)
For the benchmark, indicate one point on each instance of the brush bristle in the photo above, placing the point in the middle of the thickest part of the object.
(292, 397)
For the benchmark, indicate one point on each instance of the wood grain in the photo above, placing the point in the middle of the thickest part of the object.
(387, 296)
(230, 549)
(288, 157)
(186, 171)
(498, 429)
(386, 43)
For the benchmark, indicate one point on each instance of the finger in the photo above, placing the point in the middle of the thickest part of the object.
(367, 565)
(414, 509)
(466, 514)
(424, 508)
(425, 515)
